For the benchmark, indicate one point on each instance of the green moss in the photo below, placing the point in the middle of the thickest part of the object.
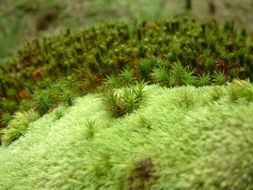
(17, 126)
(240, 90)
(164, 144)
(55, 70)
(124, 101)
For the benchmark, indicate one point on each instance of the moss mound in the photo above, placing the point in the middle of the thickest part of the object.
(180, 138)
(54, 70)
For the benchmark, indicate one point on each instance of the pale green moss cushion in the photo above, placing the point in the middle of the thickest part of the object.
(180, 138)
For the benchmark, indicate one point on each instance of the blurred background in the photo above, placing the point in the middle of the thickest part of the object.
(22, 20)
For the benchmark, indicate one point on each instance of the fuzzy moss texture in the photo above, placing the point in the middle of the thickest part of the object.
(140, 106)
(180, 138)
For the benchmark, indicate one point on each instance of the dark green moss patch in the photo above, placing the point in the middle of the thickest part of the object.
(172, 53)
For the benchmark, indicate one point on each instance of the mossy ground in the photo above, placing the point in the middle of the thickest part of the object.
(178, 138)
(145, 117)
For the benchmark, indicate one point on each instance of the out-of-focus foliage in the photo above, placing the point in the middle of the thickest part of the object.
(25, 19)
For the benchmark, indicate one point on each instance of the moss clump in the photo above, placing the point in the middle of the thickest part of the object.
(169, 143)
(172, 53)
(17, 126)
(120, 103)
(240, 90)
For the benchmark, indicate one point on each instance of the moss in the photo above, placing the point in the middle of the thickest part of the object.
(124, 101)
(142, 175)
(172, 53)
(17, 126)
(162, 145)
